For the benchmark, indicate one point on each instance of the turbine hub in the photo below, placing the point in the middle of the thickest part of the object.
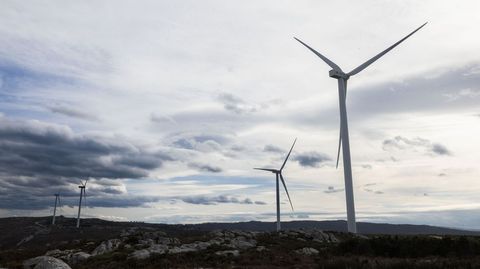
(337, 74)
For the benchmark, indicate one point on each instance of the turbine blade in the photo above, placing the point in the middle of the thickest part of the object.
(339, 146)
(288, 155)
(340, 134)
(286, 190)
(266, 169)
(85, 198)
(325, 59)
(376, 57)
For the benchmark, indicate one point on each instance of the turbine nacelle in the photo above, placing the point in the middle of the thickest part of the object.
(338, 74)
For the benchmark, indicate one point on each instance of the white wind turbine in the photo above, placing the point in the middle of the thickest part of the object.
(278, 174)
(57, 201)
(82, 193)
(342, 78)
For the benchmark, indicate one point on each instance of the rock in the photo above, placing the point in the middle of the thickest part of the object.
(234, 253)
(261, 248)
(145, 253)
(78, 257)
(55, 253)
(140, 254)
(333, 239)
(182, 249)
(307, 251)
(106, 247)
(45, 262)
(242, 243)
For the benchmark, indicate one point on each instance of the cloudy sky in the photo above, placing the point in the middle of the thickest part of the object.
(168, 105)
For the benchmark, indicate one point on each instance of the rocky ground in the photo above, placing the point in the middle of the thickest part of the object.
(134, 245)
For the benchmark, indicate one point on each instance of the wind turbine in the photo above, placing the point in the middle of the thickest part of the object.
(278, 174)
(342, 78)
(57, 200)
(82, 193)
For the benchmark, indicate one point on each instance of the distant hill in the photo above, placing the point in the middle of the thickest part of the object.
(29, 231)
(336, 225)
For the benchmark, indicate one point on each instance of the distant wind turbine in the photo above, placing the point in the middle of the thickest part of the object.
(342, 78)
(82, 193)
(278, 174)
(57, 201)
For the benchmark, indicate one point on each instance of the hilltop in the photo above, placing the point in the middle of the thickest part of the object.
(303, 244)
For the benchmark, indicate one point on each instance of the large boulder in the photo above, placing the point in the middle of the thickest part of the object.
(45, 262)
(78, 257)
(106, 247)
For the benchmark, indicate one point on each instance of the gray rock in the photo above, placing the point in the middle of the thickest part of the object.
(307, 251)
(140, 254)
(45, 262)
(78, 257)
(234, 253)
(333, 239)
(145, 253)
(106, 247)
(242, 243)
(261, 248)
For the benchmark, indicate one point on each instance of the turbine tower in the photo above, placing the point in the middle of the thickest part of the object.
(82, 193)
(57, 200)
(342, 78)
(278, 175)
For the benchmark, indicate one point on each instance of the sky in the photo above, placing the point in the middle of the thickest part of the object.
(166, 106)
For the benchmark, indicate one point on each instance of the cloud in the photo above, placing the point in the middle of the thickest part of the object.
(235, 104)
(206, 167)
(311, 159)
(33, 148)
(200, 142)
(221, 199)
(72, 112)
(415, 144)
(332, 189)
(272, 148)
(38, 159)
(440, 149)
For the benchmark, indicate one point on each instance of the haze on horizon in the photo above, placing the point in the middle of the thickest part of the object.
(167, 107)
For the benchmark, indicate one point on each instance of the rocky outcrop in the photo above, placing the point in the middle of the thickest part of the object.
(106, 247)
(233, 253)
(70, 256)
(45, 262)
(307, 251)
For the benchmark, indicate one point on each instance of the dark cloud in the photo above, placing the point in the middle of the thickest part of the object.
(440, 149)
(221, 199)
(416, 144)
(311, 159)
(73, 112)
(272, 148)
(39, 159)
(235, 104)
(200, 142)
(436, 90)
(206, 167)
(439, 90)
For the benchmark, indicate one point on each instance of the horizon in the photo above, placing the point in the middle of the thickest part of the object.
(167, 108)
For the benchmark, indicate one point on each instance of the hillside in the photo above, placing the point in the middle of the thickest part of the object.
(303, 244)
